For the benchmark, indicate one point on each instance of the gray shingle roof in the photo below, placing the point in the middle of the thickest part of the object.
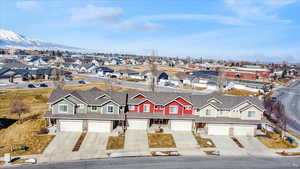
(91, 96)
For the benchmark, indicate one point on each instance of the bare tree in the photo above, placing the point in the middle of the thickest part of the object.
(153, 71)
(220, 80)
(108, 85)
(58, 74)
(19, 107)
(276, 111)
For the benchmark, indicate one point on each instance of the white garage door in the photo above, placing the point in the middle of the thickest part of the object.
(99, 126)
(218, 130)
(243, 130)
(181, 125)
(137, 124)
(71, 125)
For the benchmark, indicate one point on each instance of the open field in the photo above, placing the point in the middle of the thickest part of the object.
(241, 92)
(141, 68)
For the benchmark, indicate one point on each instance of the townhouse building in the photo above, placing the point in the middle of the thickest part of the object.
(95, 110)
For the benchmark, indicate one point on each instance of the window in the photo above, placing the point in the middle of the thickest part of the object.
(63, 108)
(221, 112)
(251, 113)
(187, 107)
(131, 108)
(81, 106)
(146, 107)
(208, 112)
(173, 110)
(94, 108)
(110, 109)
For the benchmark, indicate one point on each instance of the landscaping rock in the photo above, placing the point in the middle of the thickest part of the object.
(31, 161)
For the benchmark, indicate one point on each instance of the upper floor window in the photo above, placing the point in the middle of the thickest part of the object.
(173, 110)
(81, 106)
(94, 108)
(221, 112)
(146, 107)
(251, 113)
(110, 109)
(187, 107)
(63, 108)
(208, 112)
(131, 108)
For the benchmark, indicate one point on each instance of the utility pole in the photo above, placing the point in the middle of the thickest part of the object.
(220, 80)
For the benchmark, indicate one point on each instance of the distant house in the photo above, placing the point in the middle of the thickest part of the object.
(8, 76)
(128, 73)
(90, 68)
(104, 71)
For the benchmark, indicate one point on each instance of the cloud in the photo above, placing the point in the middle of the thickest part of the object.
(227, 20)
(92, 13)
(258, 10)
(28, 5)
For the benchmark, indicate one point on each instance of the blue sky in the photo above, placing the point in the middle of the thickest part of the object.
(266, 30)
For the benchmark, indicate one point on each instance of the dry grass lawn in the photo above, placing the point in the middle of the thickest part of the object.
(160, 140)
(275, 141)
(205, 142)
(141, 68)
(289, 153)
(241, 92)
(115, 142)
(36, 98)
(24, 135)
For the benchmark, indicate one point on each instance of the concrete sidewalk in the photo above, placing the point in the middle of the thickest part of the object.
(60, 149)
(136, 143)
(227, 146)
(186, 143)
(254, 147)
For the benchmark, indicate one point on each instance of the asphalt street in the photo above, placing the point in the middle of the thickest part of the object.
(290, 97)
(180, 162)
(90, 78)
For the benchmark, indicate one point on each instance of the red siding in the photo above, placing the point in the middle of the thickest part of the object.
(135, 109)
(139, 96)
(141, 106)
(173, 103)
(185, 103)
(159, 108)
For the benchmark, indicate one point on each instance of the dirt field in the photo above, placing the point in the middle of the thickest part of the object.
(141, 68)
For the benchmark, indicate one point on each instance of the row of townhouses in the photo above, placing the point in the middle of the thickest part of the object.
(95, 110)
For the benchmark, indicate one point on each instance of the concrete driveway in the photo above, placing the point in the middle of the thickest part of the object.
(186, 143)
(60, 148)
(254, 147)
(227, 146)
(94, 145)
(136, 143)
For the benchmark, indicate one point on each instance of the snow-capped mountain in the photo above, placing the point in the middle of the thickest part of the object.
(13, 40)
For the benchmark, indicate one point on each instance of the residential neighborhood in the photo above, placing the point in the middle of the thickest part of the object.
(149, 84)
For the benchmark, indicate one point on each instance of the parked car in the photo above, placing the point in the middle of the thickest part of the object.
(43, 85)
(31, 86)
(81, 82)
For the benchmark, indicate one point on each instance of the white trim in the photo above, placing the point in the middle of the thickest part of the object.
(62, 104)
(102, 96)
(173, 107)
(148, 106)
(80, 106)
(109, 101)
(92, 108)
(146, 100)
(137, 95)
(108, 109)
(177, 101)
(213, 98)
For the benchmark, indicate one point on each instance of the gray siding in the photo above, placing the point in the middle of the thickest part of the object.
(55, 107)
(77, 102)
(115, 108)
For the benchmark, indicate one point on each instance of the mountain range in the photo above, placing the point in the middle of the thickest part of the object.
(12, 40)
